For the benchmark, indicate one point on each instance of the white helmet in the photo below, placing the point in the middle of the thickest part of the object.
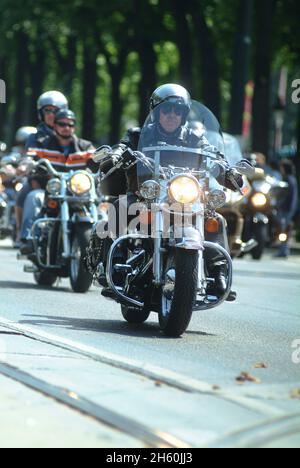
(51, 98)
(23, 134)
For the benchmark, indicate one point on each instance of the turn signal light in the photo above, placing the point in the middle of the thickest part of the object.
(53, 205)
(212, 225)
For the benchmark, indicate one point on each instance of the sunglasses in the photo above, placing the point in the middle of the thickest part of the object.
(169, 108)
(50, 111)
(65, 125)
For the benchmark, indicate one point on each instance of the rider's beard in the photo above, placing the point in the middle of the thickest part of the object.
(64, 137)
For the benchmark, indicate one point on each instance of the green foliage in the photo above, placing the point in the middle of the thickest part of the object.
(59, 31)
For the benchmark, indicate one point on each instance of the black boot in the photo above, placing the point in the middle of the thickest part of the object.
(219, 287)
(27, 247)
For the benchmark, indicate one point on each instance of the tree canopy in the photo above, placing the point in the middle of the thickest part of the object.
(109, 56)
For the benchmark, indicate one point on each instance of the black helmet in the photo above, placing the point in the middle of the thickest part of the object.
(65, 114)
(171, 93)
(51, 98)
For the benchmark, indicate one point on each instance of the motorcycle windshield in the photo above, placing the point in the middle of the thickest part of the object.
(177, 141)
(233, 149)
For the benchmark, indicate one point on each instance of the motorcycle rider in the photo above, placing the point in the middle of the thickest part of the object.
(47, 106)
(287, 205)
(170, 105)
(66, 152)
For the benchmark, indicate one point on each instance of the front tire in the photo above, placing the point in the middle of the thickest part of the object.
(261, 236)
(176, 312)
(80, 279)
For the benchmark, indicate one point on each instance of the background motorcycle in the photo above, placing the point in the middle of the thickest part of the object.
(61, 236)
(232, 209)
(260, 212)
(165, 272)
(10, 186)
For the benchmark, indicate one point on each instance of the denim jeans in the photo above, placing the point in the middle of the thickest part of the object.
(32, 208)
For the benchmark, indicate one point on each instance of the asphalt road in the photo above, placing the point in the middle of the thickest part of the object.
(260, 328)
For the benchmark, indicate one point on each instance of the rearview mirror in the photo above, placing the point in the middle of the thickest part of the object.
(101, 153)
(245, 168)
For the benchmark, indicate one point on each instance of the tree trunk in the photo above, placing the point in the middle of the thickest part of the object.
(148, 80)
(262, 95)
(208, 61)
(3, 107)
(89, 90)
(240, 72)
(116, 71)
(21, 69)
(37, 76)
(183, 40)
(70, 65)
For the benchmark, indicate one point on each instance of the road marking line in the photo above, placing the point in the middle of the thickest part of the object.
(171, 378)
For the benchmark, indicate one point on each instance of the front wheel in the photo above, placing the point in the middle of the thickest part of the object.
(179, 292)
(261, 236)
(80, 279)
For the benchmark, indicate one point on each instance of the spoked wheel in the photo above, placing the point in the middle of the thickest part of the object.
(44, 278)
(80, 279)
(132, 315)
(179, 292)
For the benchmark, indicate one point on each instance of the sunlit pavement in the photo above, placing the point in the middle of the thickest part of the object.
(260, 328)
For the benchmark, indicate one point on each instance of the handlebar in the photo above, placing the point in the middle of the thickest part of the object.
(49, 167)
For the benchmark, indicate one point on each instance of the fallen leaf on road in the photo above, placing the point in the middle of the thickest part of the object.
(246, 377)
(216, 388)
(260, 365)
(295, 394)
(158, 383)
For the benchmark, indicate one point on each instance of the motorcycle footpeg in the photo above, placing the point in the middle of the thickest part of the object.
(30, 269)
(118, 268)
(21, 257)
(109, 294)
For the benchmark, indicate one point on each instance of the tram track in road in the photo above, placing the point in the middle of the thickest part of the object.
(157, 374)
(152, 438)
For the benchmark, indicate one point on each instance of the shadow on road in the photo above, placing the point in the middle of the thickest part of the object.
(7, 247)
(19, 286)
(118, 327)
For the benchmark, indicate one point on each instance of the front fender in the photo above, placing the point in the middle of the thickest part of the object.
(260, 218)
(188, 238)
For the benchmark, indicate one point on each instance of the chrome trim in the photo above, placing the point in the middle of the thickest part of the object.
(157, 260)
(109, 270)
(205, 306)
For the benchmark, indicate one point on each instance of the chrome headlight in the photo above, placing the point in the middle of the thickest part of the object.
(184, 189)
(80, 183)
(259, 200)
(150, 190)
(54, 187)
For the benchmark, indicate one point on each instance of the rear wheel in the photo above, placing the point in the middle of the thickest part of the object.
(132, 315)
(44, 278)
(80, 279)
(179, 293)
